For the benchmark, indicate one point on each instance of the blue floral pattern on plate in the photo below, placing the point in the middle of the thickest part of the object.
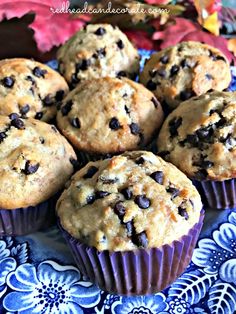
(38, 274)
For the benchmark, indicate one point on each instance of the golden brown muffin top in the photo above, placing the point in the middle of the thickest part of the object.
(129, 201)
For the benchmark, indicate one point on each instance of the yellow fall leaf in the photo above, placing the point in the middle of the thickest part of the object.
(211, 23)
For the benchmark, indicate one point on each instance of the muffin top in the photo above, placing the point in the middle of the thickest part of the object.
(188, 69)
(30, 89)
(97, 50)
(129, 201)
(199, 137)
(109, 115)
(35, 161)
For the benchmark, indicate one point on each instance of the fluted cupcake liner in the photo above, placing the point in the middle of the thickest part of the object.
(217, 194)
(137, 272)
(21, 221)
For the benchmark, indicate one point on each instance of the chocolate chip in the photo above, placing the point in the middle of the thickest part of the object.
(140, 239)
(183, 212)
(90, 172)
(24, 109)
(18, 123)
(101, 194)
(174, 192)
(114, 124)
(201, 174)
(101, 53)
(209, 76)
(155, 102)
(48, 101)
(215, 57)
(74, 80)
(120, 44)
(14, 116)
(184, 63)
(152, 73)
(3, 135)
(140, 161)
(161, 72)
(142, 201)
(128, 194)
(151, 85)
(174, 124)
(59, 95)
(30, 79)
(100, 31)
(174, 70)
(83, 65)
(221, 123)
(158, 176)
(192, 139)
(164, 59)
(30, 168)
(127, 109)
(39, 72)
(129, 228)
(74, 163)
(39, 115)
(121, 74)
(134, 128)
(119, 210)
(184, 95)
(90, 199)
(75, 122)
(67, 108)
(54, 128)
(8, 81)
(204, 133)
(42, 140)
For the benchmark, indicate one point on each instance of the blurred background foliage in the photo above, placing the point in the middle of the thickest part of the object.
(209, 21)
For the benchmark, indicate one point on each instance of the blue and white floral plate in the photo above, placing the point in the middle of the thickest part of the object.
(38, 275)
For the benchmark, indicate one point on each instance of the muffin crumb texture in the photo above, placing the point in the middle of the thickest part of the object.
(35, 161)
(199, 137)
(98, 50)
(135, 200)
(187, 69)
(109, 115)
(30, 89)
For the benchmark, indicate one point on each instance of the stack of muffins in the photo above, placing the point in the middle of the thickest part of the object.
(131, 217)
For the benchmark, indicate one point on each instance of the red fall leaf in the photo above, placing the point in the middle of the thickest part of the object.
(50, 29)
(141, 39)
(184, 30)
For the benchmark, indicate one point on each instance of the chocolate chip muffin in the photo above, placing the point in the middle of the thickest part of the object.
(35, 163)
(129, 201)
(30, 89)
(97, 50)
(199, 137)
(187, 69)
(134, 210)
(109, 115)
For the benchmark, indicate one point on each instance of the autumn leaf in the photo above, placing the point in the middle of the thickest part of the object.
(232, 45)
(50, 29)
(140, 39)
(185, 30)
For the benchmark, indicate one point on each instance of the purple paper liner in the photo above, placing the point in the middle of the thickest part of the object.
(217, 194)
(21, 221)
(138, 272)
